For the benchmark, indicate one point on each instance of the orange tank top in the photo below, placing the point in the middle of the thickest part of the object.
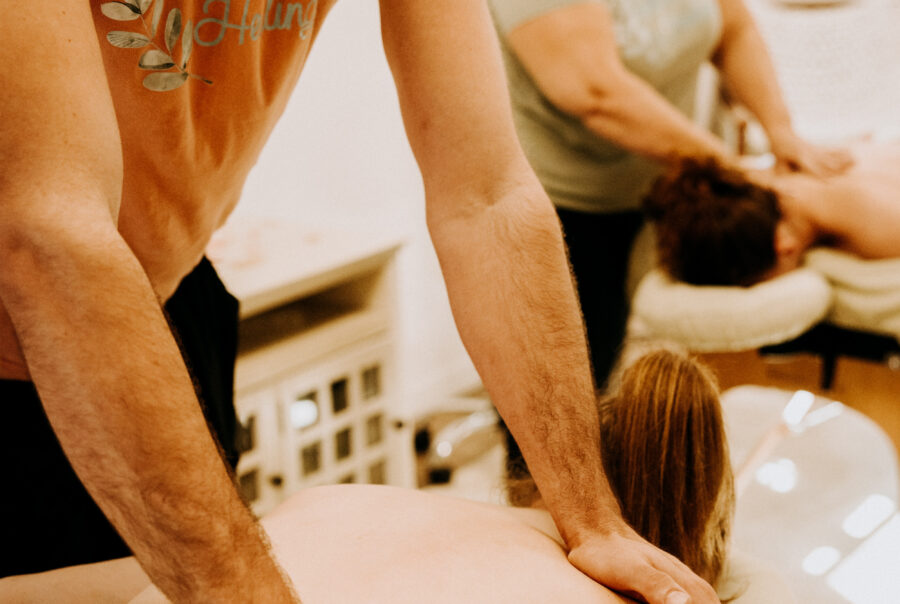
(197, 87)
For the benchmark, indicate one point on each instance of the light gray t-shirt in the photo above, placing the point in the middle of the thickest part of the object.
(664, 42)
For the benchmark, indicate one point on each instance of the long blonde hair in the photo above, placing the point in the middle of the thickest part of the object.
(666, 457)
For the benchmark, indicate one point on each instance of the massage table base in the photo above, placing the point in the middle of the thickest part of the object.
(829, 342)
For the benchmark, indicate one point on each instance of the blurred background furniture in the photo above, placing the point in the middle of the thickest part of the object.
(315, 379)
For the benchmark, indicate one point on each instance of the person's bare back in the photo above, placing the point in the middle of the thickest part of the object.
(858, 211)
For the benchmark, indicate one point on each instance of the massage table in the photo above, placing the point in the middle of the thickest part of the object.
(835, 305)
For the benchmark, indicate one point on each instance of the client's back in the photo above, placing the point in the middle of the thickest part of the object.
(378, 544)
(713, 225)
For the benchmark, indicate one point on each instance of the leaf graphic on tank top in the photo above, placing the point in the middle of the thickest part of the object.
(187, 43)
(127, 39)
(120, 11)
(157, 15)
(155, 59)
(163, 82)
(173, 28)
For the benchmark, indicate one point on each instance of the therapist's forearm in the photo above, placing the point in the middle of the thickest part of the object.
(514, 303)
(632, 114)
(121, 403)
(748, 73)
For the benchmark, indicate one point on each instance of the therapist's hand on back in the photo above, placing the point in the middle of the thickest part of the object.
(623, 561)
(795, 154)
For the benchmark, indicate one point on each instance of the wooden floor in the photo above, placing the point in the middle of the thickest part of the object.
(871, 388)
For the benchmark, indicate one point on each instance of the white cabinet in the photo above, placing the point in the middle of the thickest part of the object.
(259, 471)
(316, 388)
(336, 418)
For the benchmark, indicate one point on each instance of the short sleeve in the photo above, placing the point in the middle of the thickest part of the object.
(509, 14)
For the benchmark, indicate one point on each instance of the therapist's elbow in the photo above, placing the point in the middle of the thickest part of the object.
(61, 239)
(593, 98)
(58, 194)
(516, 214)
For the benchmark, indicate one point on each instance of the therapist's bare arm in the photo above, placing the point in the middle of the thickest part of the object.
(748, 74)
(96, 343)
(571, 55)
(502, 256)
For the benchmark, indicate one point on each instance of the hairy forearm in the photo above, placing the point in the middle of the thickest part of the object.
(514, 303)
(121, 403)
(748, 74)
(501, 250)
(635, 116)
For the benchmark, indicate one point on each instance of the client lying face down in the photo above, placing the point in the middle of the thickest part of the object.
(720, 226)
(667, 458)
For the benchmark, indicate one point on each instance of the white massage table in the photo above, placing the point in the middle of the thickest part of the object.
(835, 305)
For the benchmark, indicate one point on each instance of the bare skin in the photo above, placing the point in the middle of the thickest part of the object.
(857, 211)
(359, 543)
(92, 238)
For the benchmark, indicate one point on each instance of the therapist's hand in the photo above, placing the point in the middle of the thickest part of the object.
(626, 563)
(797, 155)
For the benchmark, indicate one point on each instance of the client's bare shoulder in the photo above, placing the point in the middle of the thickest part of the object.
(364, 543)
(860, 209)
(866, 202)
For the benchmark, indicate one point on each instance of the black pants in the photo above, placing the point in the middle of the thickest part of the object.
(48, 518)
(599, 250)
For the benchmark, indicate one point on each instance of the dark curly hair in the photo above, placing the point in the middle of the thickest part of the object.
(713, 225)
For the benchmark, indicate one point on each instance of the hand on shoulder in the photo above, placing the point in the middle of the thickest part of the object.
(626, 563)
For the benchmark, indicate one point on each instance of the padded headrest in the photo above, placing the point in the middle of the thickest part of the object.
(866, 292)
(728, 319)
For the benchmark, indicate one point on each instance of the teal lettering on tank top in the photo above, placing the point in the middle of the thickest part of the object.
(277, 15)
(161, 38)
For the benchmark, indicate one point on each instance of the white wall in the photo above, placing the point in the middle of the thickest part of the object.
(837, 67)
(339, 156)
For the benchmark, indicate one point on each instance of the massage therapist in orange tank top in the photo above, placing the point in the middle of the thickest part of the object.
(128, 128)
